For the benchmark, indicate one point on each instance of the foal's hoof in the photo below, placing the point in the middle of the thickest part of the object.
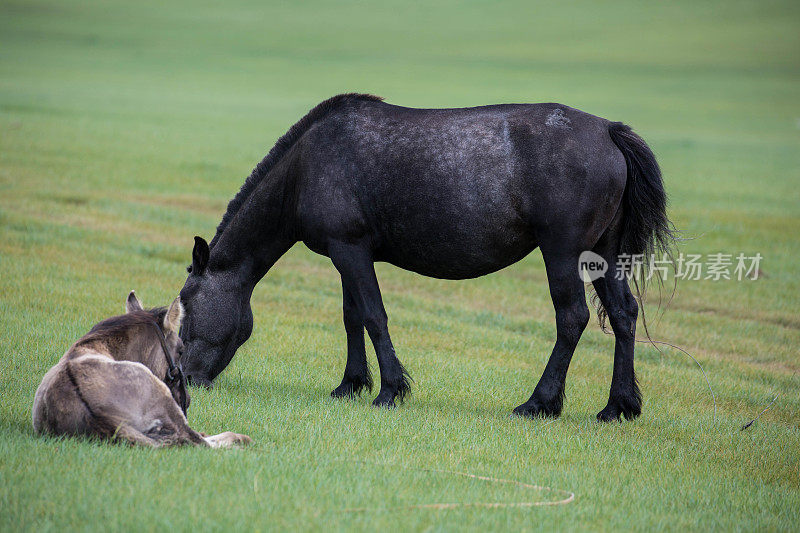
(243, 440)
(237, 440)
(228, 439)
(536, 410)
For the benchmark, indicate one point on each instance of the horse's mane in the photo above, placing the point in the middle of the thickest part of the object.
(279, 150)
(119, 325)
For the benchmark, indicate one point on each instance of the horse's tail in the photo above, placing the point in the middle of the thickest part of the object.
(646, 230)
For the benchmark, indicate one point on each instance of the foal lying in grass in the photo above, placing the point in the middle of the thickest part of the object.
(121, 382)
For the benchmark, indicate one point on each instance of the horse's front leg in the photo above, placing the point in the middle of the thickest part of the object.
(356, 371)
(354, 263)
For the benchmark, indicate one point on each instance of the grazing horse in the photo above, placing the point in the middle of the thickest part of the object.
(121, 382)
(446, 193)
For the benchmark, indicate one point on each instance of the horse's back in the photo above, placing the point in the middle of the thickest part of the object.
(453, 193)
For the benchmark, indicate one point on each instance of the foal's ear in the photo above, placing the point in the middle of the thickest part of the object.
(200, 255)
(174, 316)
(133, 303)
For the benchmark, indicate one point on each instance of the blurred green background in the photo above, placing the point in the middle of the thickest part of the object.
(125, 127)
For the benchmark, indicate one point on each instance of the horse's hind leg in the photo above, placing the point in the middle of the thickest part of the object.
(354, 263)
(356, 370)
(572, 315)
(621, 309)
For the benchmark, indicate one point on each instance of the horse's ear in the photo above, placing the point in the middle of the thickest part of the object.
(174, 316)
(199, 256)
(133, 303)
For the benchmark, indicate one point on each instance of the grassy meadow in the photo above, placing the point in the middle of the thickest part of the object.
(125, 127)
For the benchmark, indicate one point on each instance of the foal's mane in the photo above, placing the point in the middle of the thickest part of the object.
(279, 150)
(119, 325)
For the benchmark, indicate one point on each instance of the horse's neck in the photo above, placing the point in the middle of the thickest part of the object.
(258, 235)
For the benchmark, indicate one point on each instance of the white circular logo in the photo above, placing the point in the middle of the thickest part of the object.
(591, 266)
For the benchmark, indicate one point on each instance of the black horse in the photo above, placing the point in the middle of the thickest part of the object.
(447, 193)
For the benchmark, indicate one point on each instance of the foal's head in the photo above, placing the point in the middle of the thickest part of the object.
(163, 325)
(146, 336)
(168, 320)
(134, 337)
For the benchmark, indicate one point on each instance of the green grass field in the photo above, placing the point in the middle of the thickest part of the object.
(125, 127)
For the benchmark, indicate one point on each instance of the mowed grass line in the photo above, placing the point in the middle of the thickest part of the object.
(126, 127)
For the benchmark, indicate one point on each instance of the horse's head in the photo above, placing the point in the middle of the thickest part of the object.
(163, 333)
(169, 321)
(218, 318)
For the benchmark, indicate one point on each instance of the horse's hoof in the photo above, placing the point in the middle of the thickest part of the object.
(535, 410)
(384, 402)
(630, 408)
(608, 414)
(351, 387)
(345, 390)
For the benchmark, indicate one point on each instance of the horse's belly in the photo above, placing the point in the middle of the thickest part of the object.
(451, 257)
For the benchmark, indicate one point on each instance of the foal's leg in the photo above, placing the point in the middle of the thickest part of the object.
(131, 435)
(176, 434)
(620, 305)
(572, 315)
(356, 267)
(356, 371)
